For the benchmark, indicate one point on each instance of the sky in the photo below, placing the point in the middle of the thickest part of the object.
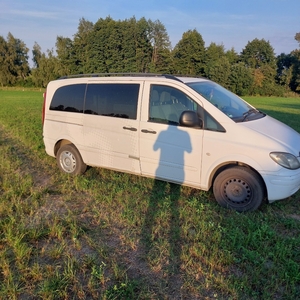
(231, 23)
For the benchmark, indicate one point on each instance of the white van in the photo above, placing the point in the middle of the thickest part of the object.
(189, 131)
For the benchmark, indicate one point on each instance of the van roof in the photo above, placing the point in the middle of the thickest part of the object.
(192, 79)
(184, 79)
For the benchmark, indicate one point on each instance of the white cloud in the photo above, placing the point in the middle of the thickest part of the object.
(35, 14)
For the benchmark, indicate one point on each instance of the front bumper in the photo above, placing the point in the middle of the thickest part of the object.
(282, 185)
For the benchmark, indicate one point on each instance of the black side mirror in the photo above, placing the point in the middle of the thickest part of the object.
(190, 118)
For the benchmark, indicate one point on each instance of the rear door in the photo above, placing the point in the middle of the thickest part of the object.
(111, 125)
(169, 151)
(63, 115)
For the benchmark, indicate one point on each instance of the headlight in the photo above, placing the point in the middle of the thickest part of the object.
(286, 160)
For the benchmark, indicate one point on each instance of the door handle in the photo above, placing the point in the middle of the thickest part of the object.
(129, 128)
(148, 131)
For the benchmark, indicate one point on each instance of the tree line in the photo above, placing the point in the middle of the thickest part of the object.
(144, 46)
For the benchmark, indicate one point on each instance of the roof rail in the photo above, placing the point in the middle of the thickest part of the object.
(121, 74)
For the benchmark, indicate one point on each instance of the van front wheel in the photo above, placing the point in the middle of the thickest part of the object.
(69, 160)
(239, 188)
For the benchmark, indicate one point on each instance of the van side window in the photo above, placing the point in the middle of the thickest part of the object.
(112, 99)
(69, 98)
(209, 123)
(167, 104)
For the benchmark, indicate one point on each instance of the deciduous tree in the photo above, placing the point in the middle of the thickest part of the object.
(297, 37)
(6, 77)
(80, 42)
(161, 45)
(189, 54)
(143, 47)
(14, 65)
(213, 55)
(37, 54)
(66, 55)
(48, 69)
(240, 79)
(258, 53)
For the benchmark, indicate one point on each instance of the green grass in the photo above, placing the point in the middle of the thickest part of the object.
(284, 109)
(108, 235)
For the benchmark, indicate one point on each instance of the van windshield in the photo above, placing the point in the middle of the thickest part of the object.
(230, 104)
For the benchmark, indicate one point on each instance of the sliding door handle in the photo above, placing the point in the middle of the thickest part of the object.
(148, 131)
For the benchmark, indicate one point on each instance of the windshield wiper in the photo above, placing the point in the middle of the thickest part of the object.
(249, 112)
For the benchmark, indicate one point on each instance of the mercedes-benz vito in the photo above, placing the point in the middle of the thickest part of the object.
(189, 131)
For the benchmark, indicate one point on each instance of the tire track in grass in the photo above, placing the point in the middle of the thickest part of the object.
(40, 177)
(53, 208)
(43, 182)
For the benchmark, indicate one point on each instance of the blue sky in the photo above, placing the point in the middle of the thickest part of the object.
(229, 22)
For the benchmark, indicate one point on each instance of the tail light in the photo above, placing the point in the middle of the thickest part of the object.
(44, 105)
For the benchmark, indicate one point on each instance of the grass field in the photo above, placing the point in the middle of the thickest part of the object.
(108, 235)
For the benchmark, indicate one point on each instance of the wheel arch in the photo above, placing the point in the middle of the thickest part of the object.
(61, 143)
(226, 165)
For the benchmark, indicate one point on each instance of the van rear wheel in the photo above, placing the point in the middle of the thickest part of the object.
(69, 160)
(239, 188)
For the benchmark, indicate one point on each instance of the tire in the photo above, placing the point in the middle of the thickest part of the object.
(69, 160)
(239, 188)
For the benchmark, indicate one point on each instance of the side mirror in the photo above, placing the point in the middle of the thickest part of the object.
(190, 118)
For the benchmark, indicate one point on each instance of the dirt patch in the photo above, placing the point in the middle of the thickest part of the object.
(295, 217)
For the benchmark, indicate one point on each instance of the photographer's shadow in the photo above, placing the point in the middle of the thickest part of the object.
(161, 229)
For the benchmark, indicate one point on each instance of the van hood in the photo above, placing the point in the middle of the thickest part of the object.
(278, 131)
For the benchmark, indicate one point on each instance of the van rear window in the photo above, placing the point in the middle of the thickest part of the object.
(112, 99)
(69, 98)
